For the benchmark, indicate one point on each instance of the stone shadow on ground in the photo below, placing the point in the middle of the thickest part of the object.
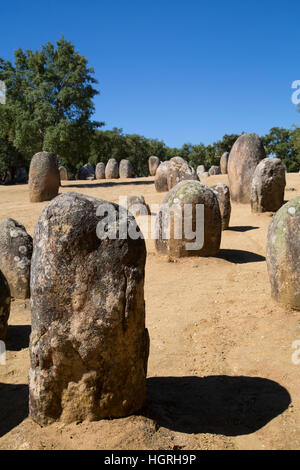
(13, 406)
(240, 256)
(242, 228)
(106, 184)
(226, 405)
(17, 337)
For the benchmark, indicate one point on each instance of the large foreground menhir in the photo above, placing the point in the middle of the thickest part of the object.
(89, 346)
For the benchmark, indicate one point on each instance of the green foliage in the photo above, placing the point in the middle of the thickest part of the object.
(49, 102)
(135, 148)
(10, 160)
(284, 144)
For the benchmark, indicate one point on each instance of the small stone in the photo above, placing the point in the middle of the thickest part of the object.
(153, 164)
(100, 171)
(15, 257)
(112, 169)
(43, 177)
(86, 172)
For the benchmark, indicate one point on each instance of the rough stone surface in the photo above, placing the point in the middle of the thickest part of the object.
(86, 172)
(161, 180)
(193, 193)
(112, 169)
(100, 171)
(214, 170)
(153, 164)
(44, 177)
(222, 192)
(63, 173)
(179, 170)
(224, 163)
(204, 175)
(283, 254)
(138, 205)
(4, 306)
(126, 169)
(88, 346)
(200, 170)
(268, 184)
(15, 257)
(245, 155)
(20, 176)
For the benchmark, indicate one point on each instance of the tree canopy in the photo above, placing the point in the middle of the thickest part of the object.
(49, 102)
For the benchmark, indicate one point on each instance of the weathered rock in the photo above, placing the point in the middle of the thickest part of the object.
(200, 170)
(86, 172)
(63, 173)
(179, 170)
(4, 306)
(224, 163)
(153, 164)
(268, 184)
(89, 346)
(171, 217)
(20, 176)
(214, 170)
(15, 257)
(44, 177)
(137, 205)
(245, 155)
(112, 169)
(100, 171)
(126, 169)
(283, 254)
(222, 192)
(161, 180)
(204, 175)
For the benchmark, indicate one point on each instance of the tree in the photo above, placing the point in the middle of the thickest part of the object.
(49, 102)
(282, 143)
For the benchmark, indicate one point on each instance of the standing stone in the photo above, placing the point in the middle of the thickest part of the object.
(171, 217)
(86, 172)
(224, 163)
(161, 180)
(15, 257)
(153, 164)
(126, 169)
(112, 169)
(43, 177)
(138, 205)
(20, 176)
(89, 346)
(245, 155)
(200, 170)
(214, 170)
(222, 192)
(63, 173)
(179, 170)
(100, 171)
(283, 254)
(268, 184)
(4, 306)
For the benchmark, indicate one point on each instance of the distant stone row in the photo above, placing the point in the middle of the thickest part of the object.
(252, 177)
(45, 176)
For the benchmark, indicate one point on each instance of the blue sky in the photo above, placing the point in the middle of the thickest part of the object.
(180, 71)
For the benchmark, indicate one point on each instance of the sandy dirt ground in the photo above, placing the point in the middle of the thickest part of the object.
(220, 374)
